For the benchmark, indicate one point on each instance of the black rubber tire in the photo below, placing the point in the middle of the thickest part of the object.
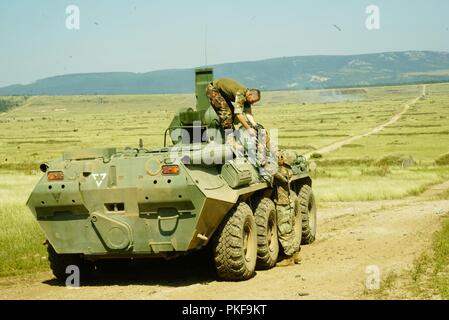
(267, 234)
(60, 262)
(235, 245)
(308, 211)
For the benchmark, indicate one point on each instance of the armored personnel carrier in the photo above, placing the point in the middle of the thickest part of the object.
(97, 204)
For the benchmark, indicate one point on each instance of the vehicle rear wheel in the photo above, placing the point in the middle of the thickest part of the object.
(308, 211)
(235, 245)
(267, 234)
(60, 262)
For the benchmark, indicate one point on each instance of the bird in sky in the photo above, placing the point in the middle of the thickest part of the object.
(337, 27)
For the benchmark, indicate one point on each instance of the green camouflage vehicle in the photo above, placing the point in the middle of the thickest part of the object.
(97, 204)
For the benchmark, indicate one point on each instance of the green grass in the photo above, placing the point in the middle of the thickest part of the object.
(441, 261)
(45, 126)
(443, 160)
(21, 242)
(430, 273)
(22, 167)
(21, 239)
(366, 183)
(388, 283)
(444, 195)
(422, 133)
(428, 277)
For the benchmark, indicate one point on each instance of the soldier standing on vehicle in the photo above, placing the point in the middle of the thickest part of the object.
(285, 211)
(222, 93)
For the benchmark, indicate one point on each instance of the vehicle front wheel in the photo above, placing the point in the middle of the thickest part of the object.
(235, 245)
(59, 264)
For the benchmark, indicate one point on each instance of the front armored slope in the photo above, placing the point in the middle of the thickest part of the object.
(103, 202)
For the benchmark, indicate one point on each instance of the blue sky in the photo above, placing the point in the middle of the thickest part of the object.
(143, 35)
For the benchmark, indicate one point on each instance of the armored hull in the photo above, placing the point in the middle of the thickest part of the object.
(136, 203)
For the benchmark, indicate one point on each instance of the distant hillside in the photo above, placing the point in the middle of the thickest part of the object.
(307, 72)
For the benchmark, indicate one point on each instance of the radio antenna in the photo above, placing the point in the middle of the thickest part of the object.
(205, 47)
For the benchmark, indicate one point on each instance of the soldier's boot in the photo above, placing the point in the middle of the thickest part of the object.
(287, 262)
(297, 258)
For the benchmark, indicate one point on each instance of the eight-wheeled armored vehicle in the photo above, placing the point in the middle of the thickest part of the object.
(106, 203)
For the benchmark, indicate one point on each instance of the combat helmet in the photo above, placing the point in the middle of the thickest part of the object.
(288, 156)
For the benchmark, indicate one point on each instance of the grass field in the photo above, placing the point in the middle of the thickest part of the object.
(20, 237)
(430, 271)
(366, 183)
(45, 126)
(369, 169)
(423, 132)
(428, 276)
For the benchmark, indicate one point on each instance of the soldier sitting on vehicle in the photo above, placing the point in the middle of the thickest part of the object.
(285, 210)
(222, 93)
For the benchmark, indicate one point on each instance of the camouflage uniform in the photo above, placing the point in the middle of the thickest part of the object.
(285, 205)
(285, 210)
(221, 94)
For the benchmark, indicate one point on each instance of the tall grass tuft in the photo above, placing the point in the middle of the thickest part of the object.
(429, 275)
(21, 242)
(443, 160)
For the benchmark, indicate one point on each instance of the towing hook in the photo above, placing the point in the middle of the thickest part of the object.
(44, 167)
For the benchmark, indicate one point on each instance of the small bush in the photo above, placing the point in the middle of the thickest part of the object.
(376, 171)
(353, 145)
(27, 168)
(316, 155)
(345, 162)
(443, 160)
(390, 160)
(429, 274)
(396, 160)
(11, 102)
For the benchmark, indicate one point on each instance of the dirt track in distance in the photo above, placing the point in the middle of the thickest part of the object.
(337, 145)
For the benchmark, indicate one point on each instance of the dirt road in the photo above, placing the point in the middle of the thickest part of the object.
(351, 237)
(337, 145)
